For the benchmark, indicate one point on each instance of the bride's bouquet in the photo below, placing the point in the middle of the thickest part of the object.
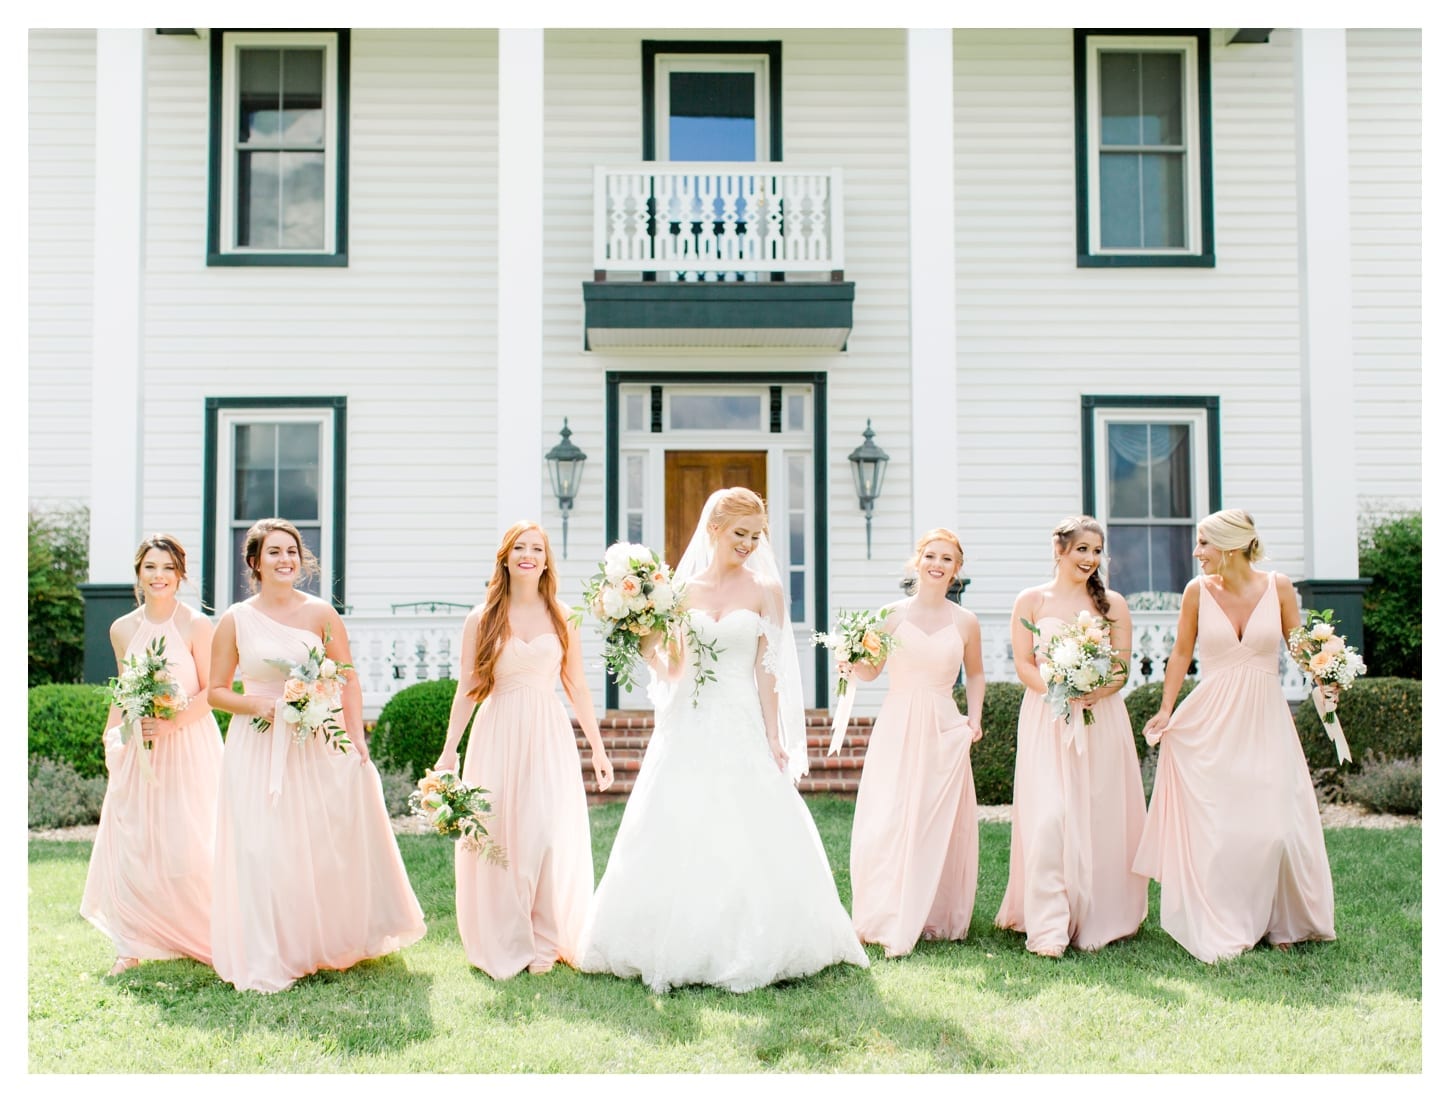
(854, 636)
(454, 808)
(1076, 661)
(312, 697)
(145, 689)
(633, 595)
(1328, 660)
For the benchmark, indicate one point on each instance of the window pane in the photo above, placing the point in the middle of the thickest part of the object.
(1120, 209)
(634, 412)
(1172, 491)
(797, 538)
(1127, 470)
(302, 97)
(1162, 98)
(634, 482)
(1118, 93)
(636, 528)
(795, 466)
(302, 206)
(259, 87)
(797, 596)
(1161, 176)
(1171, 556)
(255, 494)
(298, 445)
(712, 116)
(255, 445)
(1127, 558)
(297, 495)
(716, 411)
(258, 192)
(795, 411)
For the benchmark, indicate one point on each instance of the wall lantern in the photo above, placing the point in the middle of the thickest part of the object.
(868, 466)
(566, 465)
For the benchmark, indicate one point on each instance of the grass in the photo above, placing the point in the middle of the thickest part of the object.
(982, 1005)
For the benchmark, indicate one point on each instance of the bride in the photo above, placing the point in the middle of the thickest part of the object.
(718, 875)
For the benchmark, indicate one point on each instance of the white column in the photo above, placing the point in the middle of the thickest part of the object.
(518, 425)
(1326, 380)
(933, 280)
(119, 272)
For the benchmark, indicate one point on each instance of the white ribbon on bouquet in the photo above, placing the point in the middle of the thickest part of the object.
(1330, 720)
(131, 729)
(842, 718)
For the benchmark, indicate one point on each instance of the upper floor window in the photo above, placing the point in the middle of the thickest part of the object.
(1144, 178)
(279, 148)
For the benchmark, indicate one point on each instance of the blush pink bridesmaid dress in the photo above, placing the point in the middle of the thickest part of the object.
(308, 874)
(1233, 832)
(522, 749)
(149, 884)
(1077, 817)
(914, 838)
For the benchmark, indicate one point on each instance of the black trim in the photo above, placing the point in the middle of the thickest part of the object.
(651, 47)
(1085, 257)
(711, 305)
(213, 407)
(215, 258)
(817, 381)
(1209, 403)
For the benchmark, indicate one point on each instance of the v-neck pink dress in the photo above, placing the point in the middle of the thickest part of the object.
(914, 837)
(1233, 829)
(522, 749)
(148, 887)
(308, 874)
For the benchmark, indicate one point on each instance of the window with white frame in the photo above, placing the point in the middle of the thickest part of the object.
(1144, 159)
(279, 116)
(1151, 469)
(273, 461)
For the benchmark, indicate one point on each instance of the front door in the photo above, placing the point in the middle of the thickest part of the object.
(691, 477)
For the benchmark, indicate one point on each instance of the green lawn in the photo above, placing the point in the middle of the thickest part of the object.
(983, 1005)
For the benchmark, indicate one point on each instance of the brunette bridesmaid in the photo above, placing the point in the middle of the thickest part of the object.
(148, 887)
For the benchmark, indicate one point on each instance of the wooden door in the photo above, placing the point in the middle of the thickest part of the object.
(691, 477)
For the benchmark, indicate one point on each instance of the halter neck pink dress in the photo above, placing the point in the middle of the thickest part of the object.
(1077, 816)
(522, 749)
(1233, 830)
(309, 877)
(914, 838)
(148, 887)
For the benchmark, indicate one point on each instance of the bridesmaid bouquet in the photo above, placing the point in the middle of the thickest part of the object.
(452, 807)
(1328, 660)
(312, 696)
(632, 595)
(1076, 661)
(145, 689)
(854, 636)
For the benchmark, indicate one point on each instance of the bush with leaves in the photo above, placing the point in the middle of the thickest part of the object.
(1389, 553)
(1143, 704)
(1386, 784)
(398, 785)
(61, 797)
(994, 758)
(412, 726)
(1380, 715)
(59, 546)
(66, 725)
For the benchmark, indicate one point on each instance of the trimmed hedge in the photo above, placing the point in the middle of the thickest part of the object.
(1386, 784)
(994, 759)
(66, 725)
(413, 726)
(1389, 554)
(1379, 714)
(61, 797)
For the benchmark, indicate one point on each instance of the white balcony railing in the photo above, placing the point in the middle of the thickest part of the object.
(393, 652)
(717, 218)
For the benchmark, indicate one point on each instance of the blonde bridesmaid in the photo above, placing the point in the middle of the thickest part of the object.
(148, 887)
(1233, 833)
(1077, 803)
(517, 646)
(914, 839)
(308, 874)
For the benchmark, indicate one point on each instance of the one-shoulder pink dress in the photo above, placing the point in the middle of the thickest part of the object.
(914, 838)
(1233, 830)
(530, 913)
(148, 887)
(1077, 817)
(308, 874)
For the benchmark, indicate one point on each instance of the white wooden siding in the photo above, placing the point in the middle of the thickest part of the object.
(1384, 208)
(62, 177)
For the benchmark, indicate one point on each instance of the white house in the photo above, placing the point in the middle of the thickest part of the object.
(361, 278)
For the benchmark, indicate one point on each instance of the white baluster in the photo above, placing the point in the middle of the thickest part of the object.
(817, 241)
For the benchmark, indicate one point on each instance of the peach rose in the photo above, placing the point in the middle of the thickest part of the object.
(629, 585)
(1332, 646)
(294, 689)
(1321, 662)
(871, 643)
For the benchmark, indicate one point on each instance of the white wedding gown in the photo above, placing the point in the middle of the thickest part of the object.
(717, 875)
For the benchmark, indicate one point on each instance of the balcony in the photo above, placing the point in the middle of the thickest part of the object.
(717, 255)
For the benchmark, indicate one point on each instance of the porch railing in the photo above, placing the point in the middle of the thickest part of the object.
(715, 219)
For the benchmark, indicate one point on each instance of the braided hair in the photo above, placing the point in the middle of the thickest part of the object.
(1062, 537)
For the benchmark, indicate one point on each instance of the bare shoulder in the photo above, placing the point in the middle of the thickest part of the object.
(1283, 585)
(1117, 605)
(1028, 601)
(123, 627)
(965, 618)
(190, 621)
(769, 597)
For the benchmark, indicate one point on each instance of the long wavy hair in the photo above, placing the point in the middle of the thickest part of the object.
(493, 628)
(1062, 537)
(252, 549)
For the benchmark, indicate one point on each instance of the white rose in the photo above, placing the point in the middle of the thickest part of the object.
(292, 714)
(1065, 654)
(1321, 631)
(616, 561)
(614, 603)
(328, 668)
(638, 603)
(1084, 618)
(1084, 679)
(315, 714)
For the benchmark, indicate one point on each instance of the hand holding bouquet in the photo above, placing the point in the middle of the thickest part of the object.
(452, 807)
(855, 636)
(1076, 661)
(145, 688)
(1331, 663)
(312, 697)
(633, 596)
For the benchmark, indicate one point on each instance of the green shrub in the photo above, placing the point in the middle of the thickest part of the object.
(1386, 784)
(66, 725)
(59, 546)
(994, 759)
(1389, 553)
(397, 787)
(61, 797)
(413, 725)
(224, 719)
(1143, 704)
(1379, 715)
